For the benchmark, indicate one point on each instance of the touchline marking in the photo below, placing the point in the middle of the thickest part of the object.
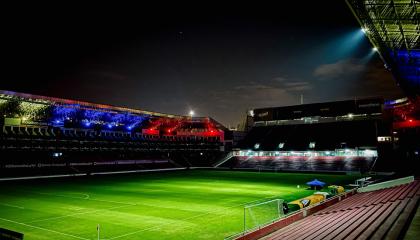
(184, 219)
(75, 214)
(11, 205)
(44, 229)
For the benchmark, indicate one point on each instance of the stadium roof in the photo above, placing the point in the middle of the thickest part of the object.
(44, 99)
(393, 27)
(394, 23)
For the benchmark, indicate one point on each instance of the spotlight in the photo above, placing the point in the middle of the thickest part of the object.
(191, 113)
(375, 49)
(364, 30)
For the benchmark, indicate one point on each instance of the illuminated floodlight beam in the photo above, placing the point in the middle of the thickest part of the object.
(364, 30)
(375, 49)
(191, 113)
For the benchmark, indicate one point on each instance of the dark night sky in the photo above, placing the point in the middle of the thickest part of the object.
(217, 59)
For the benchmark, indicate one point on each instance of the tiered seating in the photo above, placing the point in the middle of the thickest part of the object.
(373, 215)
(69, 139)
(329, 163)
(47, 150)
(374, 198)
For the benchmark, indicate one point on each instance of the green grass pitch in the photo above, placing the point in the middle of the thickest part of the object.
(188, 204)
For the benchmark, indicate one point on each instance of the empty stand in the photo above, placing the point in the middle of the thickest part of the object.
(380, 214)
(330, 163)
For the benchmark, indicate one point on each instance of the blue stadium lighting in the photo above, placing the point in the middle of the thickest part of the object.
(108, 119)
(375, 49)
(94, 115)
(129, 127)
(60, 112)
(406, 64)
(364, 30)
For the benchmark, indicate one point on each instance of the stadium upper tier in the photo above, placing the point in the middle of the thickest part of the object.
(393, 27)
(348, 110)
(19, 109)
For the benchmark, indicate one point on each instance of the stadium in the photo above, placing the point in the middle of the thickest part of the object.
(344, 169)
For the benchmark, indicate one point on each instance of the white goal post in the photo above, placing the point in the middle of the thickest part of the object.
(262, 213)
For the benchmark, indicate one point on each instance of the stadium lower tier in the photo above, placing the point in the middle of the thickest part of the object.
(36, 163)
(302, 163)
(60, 139)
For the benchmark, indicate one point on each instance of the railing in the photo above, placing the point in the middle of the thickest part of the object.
(290, 218)
(224, 159)
(387, 184)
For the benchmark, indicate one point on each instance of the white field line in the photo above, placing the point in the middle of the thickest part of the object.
(86, 197)
(84, 174)
(11, 205)
(44, 229)
(188, 218)
(76, 214)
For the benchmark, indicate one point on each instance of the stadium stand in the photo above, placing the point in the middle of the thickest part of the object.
(333, 136)
(361, 135)
(380, 214)
(42, 135)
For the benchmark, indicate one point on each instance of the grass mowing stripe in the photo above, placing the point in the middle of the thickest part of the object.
(83, 198)
(189, 218)
(76, 214)
(44, 229)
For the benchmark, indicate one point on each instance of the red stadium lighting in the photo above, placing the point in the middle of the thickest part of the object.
(410, 120)
(169, 130)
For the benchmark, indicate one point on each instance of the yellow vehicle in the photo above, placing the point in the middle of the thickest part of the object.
(310, 200)
(334, 189)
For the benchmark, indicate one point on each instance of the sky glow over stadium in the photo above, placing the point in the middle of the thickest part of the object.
(222, 64)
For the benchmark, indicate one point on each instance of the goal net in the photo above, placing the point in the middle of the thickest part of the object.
(262, 213)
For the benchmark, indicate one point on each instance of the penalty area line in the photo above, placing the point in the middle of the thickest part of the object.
(44, 229)
(188, 218)
(80, 213)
